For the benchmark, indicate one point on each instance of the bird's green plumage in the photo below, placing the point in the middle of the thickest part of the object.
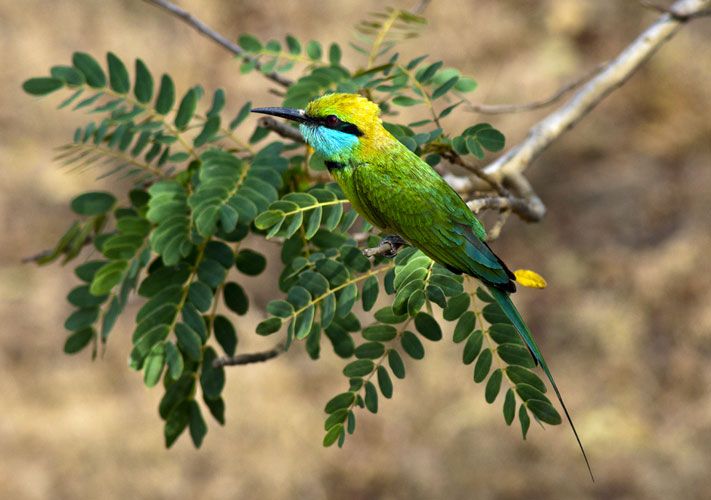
(398, 192)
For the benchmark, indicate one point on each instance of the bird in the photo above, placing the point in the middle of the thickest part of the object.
(396, 191)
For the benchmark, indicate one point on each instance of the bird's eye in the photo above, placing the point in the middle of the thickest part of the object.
(331, 120)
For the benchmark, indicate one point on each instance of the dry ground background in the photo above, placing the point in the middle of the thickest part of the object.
(624, 323)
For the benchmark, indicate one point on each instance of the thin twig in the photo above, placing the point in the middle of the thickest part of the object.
(210, 33)
(281, 128)
(498, 109)
(246, 359)
(586, 98)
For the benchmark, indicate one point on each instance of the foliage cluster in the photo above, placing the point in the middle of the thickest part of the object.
(203, 197)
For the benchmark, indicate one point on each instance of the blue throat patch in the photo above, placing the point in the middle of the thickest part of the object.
(332, 144)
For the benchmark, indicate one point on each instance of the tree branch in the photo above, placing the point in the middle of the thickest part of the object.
(498, 109)
(246, 359)
(673, 12)
(616, 73)
(281, 128)
(210, 33)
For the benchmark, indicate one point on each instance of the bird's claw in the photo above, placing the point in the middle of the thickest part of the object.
(388, 247)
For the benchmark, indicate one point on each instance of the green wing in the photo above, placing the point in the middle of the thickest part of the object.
(407, 197)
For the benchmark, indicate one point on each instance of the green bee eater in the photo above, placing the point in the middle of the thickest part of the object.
(396, 191)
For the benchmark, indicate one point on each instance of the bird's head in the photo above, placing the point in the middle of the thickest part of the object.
(335, 125)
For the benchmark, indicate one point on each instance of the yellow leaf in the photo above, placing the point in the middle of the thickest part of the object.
(530, 279)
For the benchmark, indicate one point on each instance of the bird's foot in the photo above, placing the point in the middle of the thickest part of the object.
(388, 247)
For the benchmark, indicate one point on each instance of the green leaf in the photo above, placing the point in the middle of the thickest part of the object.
(79, 340)
(436, 295)
(218, 103)
(242, 114)
(412, 345)
(465, 84)
(520, 375)
(313, 50)
(493, 314)
(198, 427)
(86, 271)
(337, 417)
(491, 139)
(428, 73)
(118, 74)
(379, 333)
(186, 110)
(428, 326)
(386, 315)
(81, 318)
(369, 293)
(502, 333)
(334, 54)
(346, 298)
(371, 397)
(200, 295)
(493, 386)
(396, 364)
(456, 306)
(208, 132)
(212, 379)
(225, 334)
(332, 435)
(482, 366)
(249, 43)
(176, 423)
(524, 419)
(176, 393)
(516, 354)
(359, 368)
(166, 95)
(280, 308)
(445, 87)
(472, 347)
(303, 322)
(544, 411)
(145, 344)
(107, 277)
(217, 408)
(250, 262)
(267, 219)
(509, 406)
(143, 88)
(189, 341)
(154, 364)
(42, 86)
(211, 273)
(235, 298)
(269, 326)
(384, 382)
(402, 100)
(293, 45)
(174, 360)
(465, 326)
(81, 297)
(67, 74)
(370, 350)
(93, 203)
(484, 296)
(91, 70)
(343, 400)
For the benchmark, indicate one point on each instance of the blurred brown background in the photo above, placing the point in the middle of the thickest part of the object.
(624, 322)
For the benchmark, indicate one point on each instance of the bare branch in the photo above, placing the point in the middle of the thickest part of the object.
(498, 109)
(246, 359)
(613, 76)
(671, 11)
(210, 33)
(281, 128)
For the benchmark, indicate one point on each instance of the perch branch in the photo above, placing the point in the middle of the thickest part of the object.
(210, 33)
(246, 359)
(281, 128)
(673, 12)
(616, 73)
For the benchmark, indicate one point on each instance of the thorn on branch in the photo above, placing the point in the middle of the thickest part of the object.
(284, 130)
(246, 359)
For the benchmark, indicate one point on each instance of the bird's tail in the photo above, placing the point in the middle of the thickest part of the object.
(504, 301)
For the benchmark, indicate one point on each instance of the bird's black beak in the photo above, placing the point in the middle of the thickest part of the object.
(296, 115)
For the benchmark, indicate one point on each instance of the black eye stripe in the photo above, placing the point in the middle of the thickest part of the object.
(340, 125)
